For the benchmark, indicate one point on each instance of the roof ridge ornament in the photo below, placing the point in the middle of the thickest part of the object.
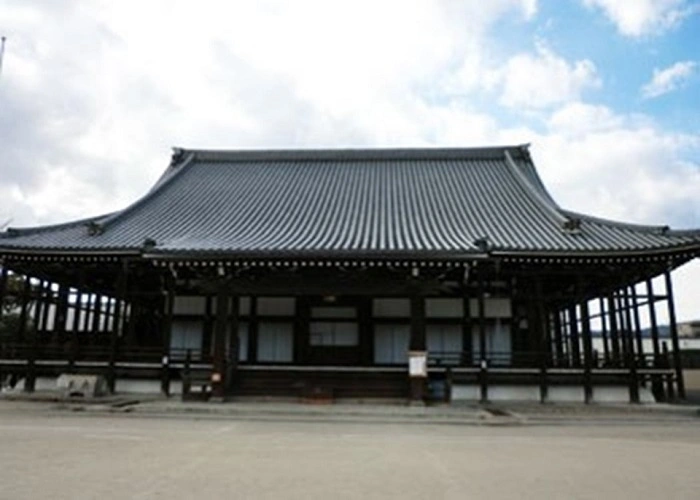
(94, 228)
(571, 225)
(177, 157)
(483, 244)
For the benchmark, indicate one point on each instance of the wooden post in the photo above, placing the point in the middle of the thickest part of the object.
(187, 375)
(544, 347)
(48, 300)
(59, 326)
(115, 332)
(30, 376)
(614, 332)
(97, 315)
(653, 321)
(670, 391)
(604, 331)
(483, 357)
(301, 331)
(637, 327)
(674, 336)
(167, 326)
(575, 339)
(657, 385)
(558, 338)
(232, 354)
(467, 356)
(253, 331)
(587, 353)
(38, 305)
(366, 346)
(629, 349)
(417, 343)
(24, 310)
(218, 376)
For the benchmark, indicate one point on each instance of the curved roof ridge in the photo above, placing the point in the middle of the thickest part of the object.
(349, 154)
(12, 232)
(546, 202)
(658, 229)
(176, 166)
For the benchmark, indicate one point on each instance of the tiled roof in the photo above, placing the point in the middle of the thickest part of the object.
(348, 203)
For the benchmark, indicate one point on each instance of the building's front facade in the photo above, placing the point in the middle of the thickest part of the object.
(321, 272)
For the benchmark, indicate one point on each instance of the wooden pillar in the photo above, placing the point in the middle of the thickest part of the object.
(418, 383)
(614, 331)
(208, 330)
(301, 331)
(60, 320)
(30, 375)
(24, 309)
(48, 299)
(233, 347)
(674, 336)
(558, 338)
(218, 376)
(670, 391)
(637, 326)
(467, 355)
(97, 314)
(366, 346)
(38, 306)
(657, 386)
(575, 339)
(566, 337)
(253, 331)
(483, 357)
(630, 355)
(116, 329)
(604, 330)
(654, 323)
(89, 300)
(166, 327)
(539, 319)
(587, 353)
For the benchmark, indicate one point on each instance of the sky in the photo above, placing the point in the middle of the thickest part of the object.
(94, 94)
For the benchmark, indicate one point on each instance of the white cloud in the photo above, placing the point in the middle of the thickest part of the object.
(668, 79)
(87, 127)
(636, 18)
(620, 166)
(544, 79)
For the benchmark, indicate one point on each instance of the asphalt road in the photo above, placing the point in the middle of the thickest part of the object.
(66, 456)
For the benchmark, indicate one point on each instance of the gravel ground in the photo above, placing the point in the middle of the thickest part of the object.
(64, 455)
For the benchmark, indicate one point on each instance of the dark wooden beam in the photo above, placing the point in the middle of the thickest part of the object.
(637, 326)
(614, 330)
(218, 377)
(575, 338)
(677, 365)
(558, 337)
(630, 356)
(166, 332)
(253, 331)
(587, 353)
(604, 330)
(233, 347)
(483, 358)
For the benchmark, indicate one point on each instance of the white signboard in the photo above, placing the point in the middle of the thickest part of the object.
(417, 364)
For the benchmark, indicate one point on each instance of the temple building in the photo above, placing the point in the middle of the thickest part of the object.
(416, 274)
